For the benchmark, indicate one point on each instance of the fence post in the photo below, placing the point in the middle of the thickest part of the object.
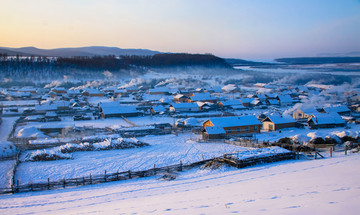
(129, 174)
(202, 155)
(48, 183)
(117, 175)
(105, 176)
(90, 179)
(64, 182)
(345, 150)
(154, 169)
(31, 187)
(168, 169)
(315, 155)
(181, 166)
(17, 186)
(83, 180)
(331, 151)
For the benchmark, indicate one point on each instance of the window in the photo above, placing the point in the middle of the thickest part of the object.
(247, 128)
(300, 114)
(229, 131)
(238, 130)
(271, 127)
(255, 128)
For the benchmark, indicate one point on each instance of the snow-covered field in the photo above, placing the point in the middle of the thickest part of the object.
(327, 186)
(6, 172)
(164, 150)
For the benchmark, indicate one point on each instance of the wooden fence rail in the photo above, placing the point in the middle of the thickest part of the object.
(119, 176)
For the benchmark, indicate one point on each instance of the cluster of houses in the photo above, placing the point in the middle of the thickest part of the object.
(327, 117)
(172, 100)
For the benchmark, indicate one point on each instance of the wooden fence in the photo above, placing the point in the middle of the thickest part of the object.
(118, 176)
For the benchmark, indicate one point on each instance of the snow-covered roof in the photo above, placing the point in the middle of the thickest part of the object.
(93, 91)
(231, 102)
(119, 110)
(229, 87)
(178, 96)
(285, 99)
(327, 118)
(234, 121)
(215, 130)
(51, 114)
(337, 109)
(260, 85)
(273, 101)
(109, 104)
(158, 108)
(277, 119)
(237, 107)
(185, 105)
(308, 110)
(202, 97)
(261, 96)
(271, 95)
(160, 90)
(216, 89)
(246, 100)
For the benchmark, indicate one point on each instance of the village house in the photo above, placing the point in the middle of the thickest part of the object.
(159, 91)
(230, 88)
(272, 102)
(246, 101)
(231, 104)
(59, 90)
(202, 97)
(285, 100)
(326, 120)
(237, 125)
(93, 93)
(184, 107)
(157, 109)
(304, 113)
(31, 90)
(180, 98)
(340, 109)
(276, 122)
(114, 109)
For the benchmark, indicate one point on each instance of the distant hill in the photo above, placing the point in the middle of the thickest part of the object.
(318, 60)
(347, 54)
(81, 51)
(240, 62)
(12, 53)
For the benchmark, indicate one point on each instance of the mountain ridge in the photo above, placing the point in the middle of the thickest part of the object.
(76, 51)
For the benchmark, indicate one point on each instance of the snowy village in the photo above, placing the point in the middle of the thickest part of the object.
(57, 134)
(200, 107)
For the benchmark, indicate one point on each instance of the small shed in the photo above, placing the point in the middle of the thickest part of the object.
(213, 133)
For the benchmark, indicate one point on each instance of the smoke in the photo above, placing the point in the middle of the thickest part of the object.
(133, 82)
(108, 74)
(167, 81)
(53, 84)
(89, 84)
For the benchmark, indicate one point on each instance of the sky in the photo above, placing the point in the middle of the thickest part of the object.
(226, 28)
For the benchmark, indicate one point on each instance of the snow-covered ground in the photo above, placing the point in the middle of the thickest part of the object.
(6, 127)
(327, 186)
(7, 149)
(164, 150)
(6, 172)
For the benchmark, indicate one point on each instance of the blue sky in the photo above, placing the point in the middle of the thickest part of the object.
(227, 28)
